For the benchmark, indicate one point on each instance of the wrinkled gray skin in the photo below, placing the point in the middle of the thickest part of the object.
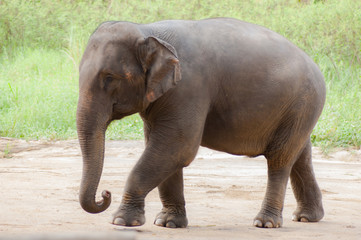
(220, 83)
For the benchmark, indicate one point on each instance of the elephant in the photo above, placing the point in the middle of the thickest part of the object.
(220, 83)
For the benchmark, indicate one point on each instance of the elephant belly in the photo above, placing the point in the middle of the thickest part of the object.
(237, 136)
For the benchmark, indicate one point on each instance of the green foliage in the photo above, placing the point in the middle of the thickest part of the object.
(41, 43)
(130, 127)
(339, 124)
(40, 89)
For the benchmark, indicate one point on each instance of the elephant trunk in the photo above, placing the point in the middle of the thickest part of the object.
(91, 127)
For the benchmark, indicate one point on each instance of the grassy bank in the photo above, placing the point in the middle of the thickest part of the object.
(41, 43)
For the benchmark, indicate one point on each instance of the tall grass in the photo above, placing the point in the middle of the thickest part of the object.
(41, 43)
(40, 89)
(339, 124)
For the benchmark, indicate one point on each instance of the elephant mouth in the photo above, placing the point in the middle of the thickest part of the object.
(120, 111)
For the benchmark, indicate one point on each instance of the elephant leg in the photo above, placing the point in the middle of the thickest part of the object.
(173, 213)
(160, 165)
(270, 215)
(145, 176)
(281, 154)
(305, 189)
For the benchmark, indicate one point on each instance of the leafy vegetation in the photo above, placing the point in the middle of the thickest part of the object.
(41, 43)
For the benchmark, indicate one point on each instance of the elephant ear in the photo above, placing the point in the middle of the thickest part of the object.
(160, 63)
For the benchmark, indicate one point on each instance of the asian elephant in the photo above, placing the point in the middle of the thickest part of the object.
(221, 83)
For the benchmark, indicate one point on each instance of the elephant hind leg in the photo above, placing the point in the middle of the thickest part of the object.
(289, 154)
(305, 189)
(281, 154)
(270, 215)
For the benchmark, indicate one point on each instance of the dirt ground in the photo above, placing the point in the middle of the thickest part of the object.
(40, 184)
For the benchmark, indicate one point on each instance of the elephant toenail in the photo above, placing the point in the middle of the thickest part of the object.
(257, 223)
(159, 222)
(171, 225)
(135, 223)
(303, 219)
(119, 221)
(268, 225)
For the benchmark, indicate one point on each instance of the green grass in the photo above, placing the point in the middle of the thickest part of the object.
(41, 88)
(41, 43)
(339, 124)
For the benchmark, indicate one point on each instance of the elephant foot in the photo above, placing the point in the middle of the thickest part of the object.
(128, 216)
(268, 221)
(308, 215)
(171, 219)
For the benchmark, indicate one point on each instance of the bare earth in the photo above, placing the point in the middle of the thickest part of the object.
(40, 183)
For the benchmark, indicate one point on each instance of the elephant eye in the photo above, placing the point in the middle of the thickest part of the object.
(107, 80)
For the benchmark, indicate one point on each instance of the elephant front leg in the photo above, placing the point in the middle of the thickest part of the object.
(270, 215)
(130, 215)
(147, 174)
(173, 214)
(172, 143)
(156, 168)
(131, 211)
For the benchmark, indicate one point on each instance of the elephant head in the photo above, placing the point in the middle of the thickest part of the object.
(122, 71)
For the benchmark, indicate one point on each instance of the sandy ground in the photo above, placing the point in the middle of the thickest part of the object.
(40, 184)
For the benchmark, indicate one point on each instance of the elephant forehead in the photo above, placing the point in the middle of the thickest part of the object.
(117, 31)
(87, 74)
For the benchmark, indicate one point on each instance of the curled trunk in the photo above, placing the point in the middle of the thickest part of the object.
(91, 128)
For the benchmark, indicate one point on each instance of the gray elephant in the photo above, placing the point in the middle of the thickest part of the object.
(221, 83)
